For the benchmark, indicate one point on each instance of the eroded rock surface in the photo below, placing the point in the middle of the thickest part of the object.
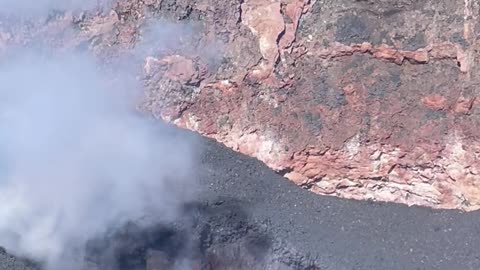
(358, 99)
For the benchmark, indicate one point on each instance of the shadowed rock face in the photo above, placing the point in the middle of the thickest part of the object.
(371, 100)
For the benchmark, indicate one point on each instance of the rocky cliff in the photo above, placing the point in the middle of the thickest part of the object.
(362, 99)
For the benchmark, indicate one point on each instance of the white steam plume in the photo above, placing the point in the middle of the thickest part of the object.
(77, 160)
(42, 7)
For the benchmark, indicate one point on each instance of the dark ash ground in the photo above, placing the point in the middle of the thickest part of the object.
(248, 217)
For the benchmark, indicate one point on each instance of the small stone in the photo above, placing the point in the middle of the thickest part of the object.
(455, 171)
(325, 187)
(150, 62)
(180, 69)
(297, 178)
(376, 155)
(421, 56)
(463, 60)
(427, 173)
(365, 47)
(387, 53)
(435, 102)
(463, 105)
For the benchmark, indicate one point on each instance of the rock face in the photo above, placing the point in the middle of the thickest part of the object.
(361, 99)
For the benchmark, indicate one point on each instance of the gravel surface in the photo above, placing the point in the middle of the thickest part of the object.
(345, 234)
(339, 234)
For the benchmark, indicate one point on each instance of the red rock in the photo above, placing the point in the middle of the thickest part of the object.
(101, 25)
(266, 22)
(387, 53)
(463, 105)
(297, 178)
(330, 111)
(463, 60)
(288, 37)
(179, 69)
(294, 11)
(435, 102)
(365, 47)
(419, 56)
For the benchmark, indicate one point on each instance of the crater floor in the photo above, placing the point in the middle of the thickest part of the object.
(245, 208)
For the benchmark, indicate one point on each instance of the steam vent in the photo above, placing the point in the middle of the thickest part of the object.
(239, 134)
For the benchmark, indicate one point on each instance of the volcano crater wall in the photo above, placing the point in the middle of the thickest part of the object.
(369, 100)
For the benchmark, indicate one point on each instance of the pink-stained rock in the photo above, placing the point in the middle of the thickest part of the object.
(264, 19)
(367, 100)
(434, 102)
(463, 105)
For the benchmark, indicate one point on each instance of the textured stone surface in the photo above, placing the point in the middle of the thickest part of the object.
(358, 99)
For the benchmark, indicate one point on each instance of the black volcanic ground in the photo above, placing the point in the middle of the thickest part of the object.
(271, 222)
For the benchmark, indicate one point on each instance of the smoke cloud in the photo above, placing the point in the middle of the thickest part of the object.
(41, 7)
(76, 159)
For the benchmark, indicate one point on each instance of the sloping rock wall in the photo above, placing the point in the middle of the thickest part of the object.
(361, 99)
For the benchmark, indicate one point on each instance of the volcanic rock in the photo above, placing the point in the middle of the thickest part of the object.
(370, 100)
